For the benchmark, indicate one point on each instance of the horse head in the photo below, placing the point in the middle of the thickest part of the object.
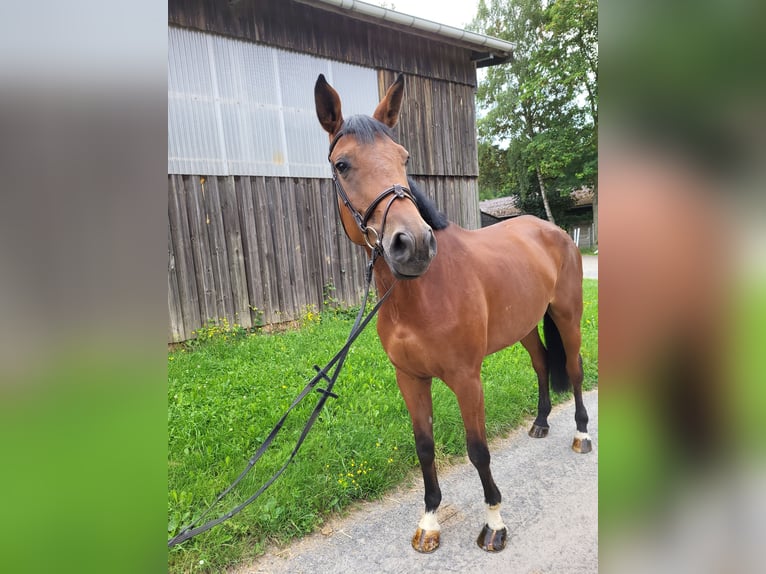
(370, 174)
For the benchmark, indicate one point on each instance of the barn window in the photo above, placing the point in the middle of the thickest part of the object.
(238, 108)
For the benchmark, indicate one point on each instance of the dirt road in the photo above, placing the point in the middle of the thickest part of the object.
(590, 266)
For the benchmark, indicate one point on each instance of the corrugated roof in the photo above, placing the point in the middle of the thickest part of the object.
(582, 197)
(500, 207)
(503, 207)
(488, 51)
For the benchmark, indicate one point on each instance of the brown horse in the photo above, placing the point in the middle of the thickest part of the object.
(483, 291)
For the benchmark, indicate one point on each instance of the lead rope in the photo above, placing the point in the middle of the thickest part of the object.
(336, 364)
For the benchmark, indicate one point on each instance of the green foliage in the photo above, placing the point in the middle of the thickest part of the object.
(310, 316)
(329, 300)
(216, 330)
(258, 319)
(493, 169)
(539, 113)
(226, 393)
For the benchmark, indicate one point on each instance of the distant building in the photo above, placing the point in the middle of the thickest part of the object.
(580, 215)
(498, 209)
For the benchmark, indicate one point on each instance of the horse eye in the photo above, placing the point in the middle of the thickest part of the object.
(341, 166)
(407, 161)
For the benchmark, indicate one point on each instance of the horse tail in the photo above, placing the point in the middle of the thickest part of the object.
(557, 358)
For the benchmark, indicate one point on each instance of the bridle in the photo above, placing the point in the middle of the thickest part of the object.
(396, 191)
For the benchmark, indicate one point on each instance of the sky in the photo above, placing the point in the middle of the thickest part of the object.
(457, 13)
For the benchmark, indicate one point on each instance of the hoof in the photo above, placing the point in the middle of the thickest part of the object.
(425, 541)
(538, 432)
(582, 445)
(492, 540)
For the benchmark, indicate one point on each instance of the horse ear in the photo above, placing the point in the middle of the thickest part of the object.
(327, 105)
(387, 111)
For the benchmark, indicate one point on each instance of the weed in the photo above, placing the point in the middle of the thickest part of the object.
(310, 316)
(258, 321)
(329, 300)
(216, 330)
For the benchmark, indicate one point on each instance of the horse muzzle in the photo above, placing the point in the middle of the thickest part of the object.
(409, 253)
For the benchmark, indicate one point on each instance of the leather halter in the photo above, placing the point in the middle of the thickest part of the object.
(396, 191)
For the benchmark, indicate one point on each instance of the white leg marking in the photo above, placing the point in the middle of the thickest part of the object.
(494, 520)
(582, 435)
(429, 522)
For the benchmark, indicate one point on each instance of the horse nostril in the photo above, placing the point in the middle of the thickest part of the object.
(431, 243)
(401, 244)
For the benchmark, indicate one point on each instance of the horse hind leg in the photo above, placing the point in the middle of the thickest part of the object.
(563, 340)
(534, 347)
(582, 441)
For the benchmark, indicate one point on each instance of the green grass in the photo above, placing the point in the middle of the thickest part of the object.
(226, 392)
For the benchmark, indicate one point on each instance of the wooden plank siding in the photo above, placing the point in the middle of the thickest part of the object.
(437, 125)
(176, 330)
(303, 28)
(180, 260)
(263, 248)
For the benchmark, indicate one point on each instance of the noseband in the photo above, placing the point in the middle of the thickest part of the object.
(395, 192)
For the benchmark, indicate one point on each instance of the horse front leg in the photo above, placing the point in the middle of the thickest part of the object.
(417, 396)
(470, 396)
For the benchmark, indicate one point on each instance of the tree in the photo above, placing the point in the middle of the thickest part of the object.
(535, 106)
(573, 25)
(493, 168)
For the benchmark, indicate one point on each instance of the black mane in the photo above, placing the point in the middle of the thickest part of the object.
(365, 129)
(428, 210)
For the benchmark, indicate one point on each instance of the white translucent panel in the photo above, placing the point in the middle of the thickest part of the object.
(188, 63)
(193, 138)
(307, 144)
(238, 108)
(245, 71)
(358, 88)
(298, 74)
(254, 142)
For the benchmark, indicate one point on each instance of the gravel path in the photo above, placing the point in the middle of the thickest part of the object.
(590, 266)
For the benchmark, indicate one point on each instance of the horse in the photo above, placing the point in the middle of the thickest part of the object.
(458, 295)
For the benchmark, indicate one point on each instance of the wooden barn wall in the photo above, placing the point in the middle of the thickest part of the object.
(306, 29)
(256, 248)
(437, 125)
(252, 249)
